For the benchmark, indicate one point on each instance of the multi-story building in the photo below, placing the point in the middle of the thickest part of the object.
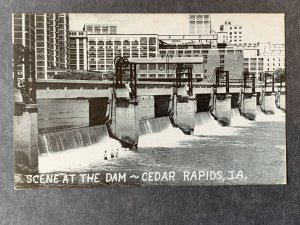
(211, 47)
(253, 61)
(23, 27)
(47, 36)
(97, 52)
(263, 57)
(199, 24)
(234, 31)
(274, 56)
(78, 50)
(102, 49)
(100, 28)
(63, 40)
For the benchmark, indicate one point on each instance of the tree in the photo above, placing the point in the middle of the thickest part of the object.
(109, 76)
(279, 75)
(76, 75)
(245, 72)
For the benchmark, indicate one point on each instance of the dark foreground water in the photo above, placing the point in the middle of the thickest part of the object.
(248, 152)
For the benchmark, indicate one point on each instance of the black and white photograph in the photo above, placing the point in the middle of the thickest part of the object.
(178, 99)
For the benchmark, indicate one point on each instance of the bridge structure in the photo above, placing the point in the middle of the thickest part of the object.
(122, 107)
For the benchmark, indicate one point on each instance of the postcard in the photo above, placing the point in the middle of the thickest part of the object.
(122, 100)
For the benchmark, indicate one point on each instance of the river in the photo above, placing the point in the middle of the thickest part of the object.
(254, 150)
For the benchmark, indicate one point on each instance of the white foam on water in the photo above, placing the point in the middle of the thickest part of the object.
(239, 121)
(213, 128)
(210, 127)
(278, 116)
(168, 138)
(80, 159)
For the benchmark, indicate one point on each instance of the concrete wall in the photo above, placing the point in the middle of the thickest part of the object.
(125, 125)
(146, 107)
(234, 64)
(281, 98)
(222, 108)
(26, 142)
(248, 106)
(282, 103)
(268, 102)
(185, 115)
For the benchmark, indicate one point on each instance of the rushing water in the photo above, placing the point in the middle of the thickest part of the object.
(257, 148)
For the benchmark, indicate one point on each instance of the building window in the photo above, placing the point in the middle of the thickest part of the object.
(152, 41)
(143, 41)
(143, 66)
(161, 67)
(152, 66)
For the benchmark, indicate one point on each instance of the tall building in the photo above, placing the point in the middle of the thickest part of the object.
(63, 40)
(234, 31)
(199, 24)
(47, 35)
(23, 27)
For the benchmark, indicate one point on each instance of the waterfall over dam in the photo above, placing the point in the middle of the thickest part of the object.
(155, 125)
(74, 138)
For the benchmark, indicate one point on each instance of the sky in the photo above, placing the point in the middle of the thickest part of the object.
(265, 27)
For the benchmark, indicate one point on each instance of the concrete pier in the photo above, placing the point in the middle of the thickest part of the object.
(146, 109)
(124, 124)
(184, 111)
(281, 98)
(222, 108)
(248, 105)
(268, 105)
(26, 140)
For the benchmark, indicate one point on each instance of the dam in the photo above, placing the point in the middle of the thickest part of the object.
(88, 125)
